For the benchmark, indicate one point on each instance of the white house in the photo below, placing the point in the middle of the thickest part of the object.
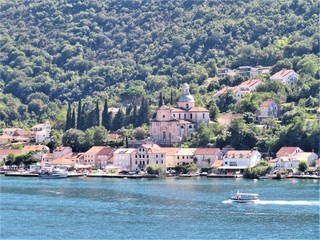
(268, 109)
(123, 158)
(240, 159)
(205, 157)
(185, 156)
(41, 132)
(149, 154)
(285, 76)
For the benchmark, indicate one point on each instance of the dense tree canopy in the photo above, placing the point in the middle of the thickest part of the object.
(57, 52)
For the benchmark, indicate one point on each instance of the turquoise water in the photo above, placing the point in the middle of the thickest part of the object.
(93, 208)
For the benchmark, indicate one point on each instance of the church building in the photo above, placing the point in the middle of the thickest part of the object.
(172, 125)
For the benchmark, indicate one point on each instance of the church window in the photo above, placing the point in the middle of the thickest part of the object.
(190, 115)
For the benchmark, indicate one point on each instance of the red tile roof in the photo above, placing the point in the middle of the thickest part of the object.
(207, 151)
(198, 109)
(105, 151)
(266, 103)
(34, 148)
(285, 151)
(217, 163)
(239, 154)
(250, 83)
(282, 73)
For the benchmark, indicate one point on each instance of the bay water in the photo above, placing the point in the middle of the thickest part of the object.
(166, 208)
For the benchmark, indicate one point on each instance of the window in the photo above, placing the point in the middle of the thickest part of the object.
(187, 105)
(163, 116)
(179, 116)
(161, 161)
(156, 156)
(174, 115)
(148, 162)
(136, 162)
(185, 116)
(190, 115)
(203, 115)
(233, 164)
(225, 163)
(157, 162)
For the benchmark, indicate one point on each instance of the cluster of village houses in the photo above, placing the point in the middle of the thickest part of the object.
(170, 126)
(130, 159)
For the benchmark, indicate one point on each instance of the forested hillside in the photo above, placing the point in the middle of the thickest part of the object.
(56, 52)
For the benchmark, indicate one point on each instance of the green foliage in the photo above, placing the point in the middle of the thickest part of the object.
(154, 169)
(59, 52)
(303, 166)
(255, 172)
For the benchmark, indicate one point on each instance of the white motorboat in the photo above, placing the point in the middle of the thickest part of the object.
(53, 175)
(244, 198)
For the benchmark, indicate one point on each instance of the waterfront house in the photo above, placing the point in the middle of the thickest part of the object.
(98, 156)
(288, 151)
(170, 156)
(205, 157)
(149, 154)
(185, 156)
(61, 151)
(268, 109)
(309, 157)
(62, 163)
(292, 161)
(285, 76)
(123, 158)
(238, 160)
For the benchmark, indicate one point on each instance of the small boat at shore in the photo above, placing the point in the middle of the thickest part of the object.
(244, 198)
(53, 175)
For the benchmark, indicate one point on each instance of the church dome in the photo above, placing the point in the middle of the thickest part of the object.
(186, 98)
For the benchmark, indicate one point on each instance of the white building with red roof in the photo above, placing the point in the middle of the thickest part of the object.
(268, 109)
(285, 76)
(238, 160)
(288, 151)
(171, 125)
(205, 157)
(240, 90)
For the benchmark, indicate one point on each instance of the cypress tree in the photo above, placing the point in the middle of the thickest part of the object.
(97, 115)
(79, 118)
(118, 121)
(68, 120)
(127, 142)
(73, 119)
(171, 98)
(104, 120)
(161, 100)
(134, 120)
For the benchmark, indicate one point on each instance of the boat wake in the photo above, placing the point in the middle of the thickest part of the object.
(281, 202)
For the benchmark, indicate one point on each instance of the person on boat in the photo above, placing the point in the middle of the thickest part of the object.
(238, 196)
